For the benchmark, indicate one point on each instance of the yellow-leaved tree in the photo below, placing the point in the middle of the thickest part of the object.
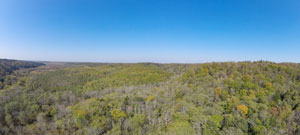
(117, 114)
(243, 109)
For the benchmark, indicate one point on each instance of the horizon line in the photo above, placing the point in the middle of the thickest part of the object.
(139, 62)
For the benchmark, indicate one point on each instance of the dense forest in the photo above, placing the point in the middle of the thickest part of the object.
(230, 98)
(8, 66)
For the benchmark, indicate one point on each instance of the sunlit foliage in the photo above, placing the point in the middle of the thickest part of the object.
(243, 98)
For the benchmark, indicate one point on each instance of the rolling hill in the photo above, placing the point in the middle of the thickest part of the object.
(229, 98)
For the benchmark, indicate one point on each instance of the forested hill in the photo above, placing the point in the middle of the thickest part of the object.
(244, 98)
(7, 67)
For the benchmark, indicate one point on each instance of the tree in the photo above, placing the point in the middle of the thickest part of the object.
(243, 109)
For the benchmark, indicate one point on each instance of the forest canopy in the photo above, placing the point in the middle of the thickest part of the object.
(8, 66)
(229, 98)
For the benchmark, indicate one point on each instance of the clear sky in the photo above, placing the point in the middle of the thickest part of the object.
(182, 31)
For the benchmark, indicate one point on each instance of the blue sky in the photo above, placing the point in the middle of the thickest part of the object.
(185, 31)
